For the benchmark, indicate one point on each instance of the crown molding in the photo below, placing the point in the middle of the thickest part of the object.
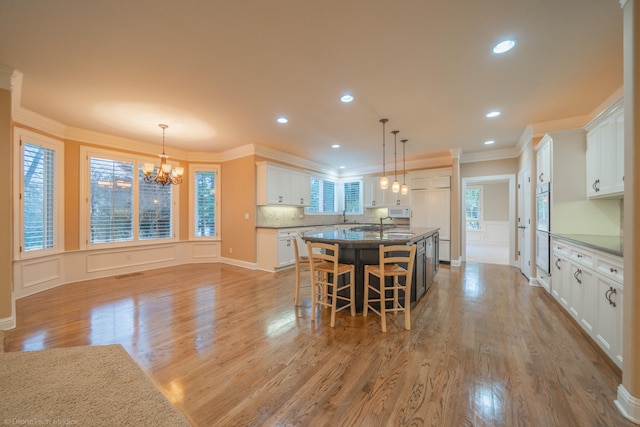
(604, 110)
(6, 77)
(622, 3)
(497, 154)
(281, 156)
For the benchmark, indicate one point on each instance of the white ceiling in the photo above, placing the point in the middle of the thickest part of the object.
(220, 72)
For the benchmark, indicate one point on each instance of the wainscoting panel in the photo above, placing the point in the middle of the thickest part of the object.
(40, 271)
(133, 256)
(205, 251)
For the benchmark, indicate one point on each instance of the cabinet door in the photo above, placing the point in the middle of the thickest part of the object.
(543, 163)
(583, 297)
(285, 251)
(400, 200)
(300, 189)
(608, 328)
(618, 173)
(561, 283)
(374, 196)
(593, 162)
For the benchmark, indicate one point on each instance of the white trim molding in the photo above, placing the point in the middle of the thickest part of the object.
(628, 405)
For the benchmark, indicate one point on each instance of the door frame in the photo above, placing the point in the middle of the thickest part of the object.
(511, 179)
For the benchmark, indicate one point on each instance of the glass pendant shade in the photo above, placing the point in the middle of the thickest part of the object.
(404, 189)
(395, 187)
(384, 183)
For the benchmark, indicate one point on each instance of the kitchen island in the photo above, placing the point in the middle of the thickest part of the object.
(360, 246)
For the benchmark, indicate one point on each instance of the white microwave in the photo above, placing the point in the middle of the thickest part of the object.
(399, 213)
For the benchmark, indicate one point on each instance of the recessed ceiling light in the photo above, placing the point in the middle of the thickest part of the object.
(493, 114)
(341, 167)
(504, 46)
(489, 142)
(347, 97)
(335, 145)
(282, 120)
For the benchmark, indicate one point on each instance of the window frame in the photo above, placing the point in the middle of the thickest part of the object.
(360, 181)
(193, 169)
(336, 195)
(25, 136)
(480, 219)
(85, 195)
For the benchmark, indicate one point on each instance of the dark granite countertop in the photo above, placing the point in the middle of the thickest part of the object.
(608, 244)
(398, 235)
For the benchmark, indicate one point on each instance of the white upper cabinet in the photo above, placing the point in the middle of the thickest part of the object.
(281, 186)
(605, 156)
(543, 160)
(374, 196)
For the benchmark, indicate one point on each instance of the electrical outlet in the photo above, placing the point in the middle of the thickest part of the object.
(230, 250)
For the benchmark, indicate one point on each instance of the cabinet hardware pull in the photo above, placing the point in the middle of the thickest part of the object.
(597, 185)
(612, 292)
(606, 295)
(613, 270)
(575, 276)
(556, 263)
(541, 175)
(579, 255)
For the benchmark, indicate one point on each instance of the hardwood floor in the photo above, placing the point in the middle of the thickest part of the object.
(229, 348)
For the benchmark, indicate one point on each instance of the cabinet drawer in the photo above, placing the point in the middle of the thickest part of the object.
(560, 248)
(610, 268)
(582, 257)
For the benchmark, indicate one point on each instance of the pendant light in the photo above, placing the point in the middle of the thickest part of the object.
(395, 187)
(404, 190)
(384, 181)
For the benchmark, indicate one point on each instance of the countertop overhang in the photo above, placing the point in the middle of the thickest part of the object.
(609, 244)
(352, 238)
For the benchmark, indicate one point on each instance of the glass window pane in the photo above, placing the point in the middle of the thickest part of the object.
(352, 197)
(154, 209)
(111, 210)
(205, 204)
(39, 166)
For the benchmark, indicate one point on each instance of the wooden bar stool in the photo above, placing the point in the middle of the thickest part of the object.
(390, 259)
(301, 261)
(325, 277)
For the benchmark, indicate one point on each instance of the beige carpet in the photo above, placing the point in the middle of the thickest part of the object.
(80, 386)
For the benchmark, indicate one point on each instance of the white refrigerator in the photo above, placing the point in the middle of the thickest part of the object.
(432, 208)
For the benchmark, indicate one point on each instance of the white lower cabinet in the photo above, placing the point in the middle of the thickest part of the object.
(588, 284)
(275, 247)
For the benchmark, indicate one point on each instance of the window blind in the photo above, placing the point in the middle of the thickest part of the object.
(154, 209)
(111, 210)
(352, 199)
(205, 204)
(328, 196)
(39, 169)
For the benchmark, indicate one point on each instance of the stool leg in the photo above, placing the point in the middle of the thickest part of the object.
(296, 294)
(352, 289)
(314, 295)
(383, 304)
(334, 299)
(365, 308)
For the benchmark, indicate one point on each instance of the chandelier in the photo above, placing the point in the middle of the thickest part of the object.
(395, 187)
(165, 175)
(404, 189)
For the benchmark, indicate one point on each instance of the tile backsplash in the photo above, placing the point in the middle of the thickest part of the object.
(292, 216)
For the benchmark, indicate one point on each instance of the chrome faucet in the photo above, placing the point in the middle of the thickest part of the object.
(344, 215)
(381, 226)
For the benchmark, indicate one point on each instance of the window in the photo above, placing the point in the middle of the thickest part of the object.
(154, 209)
(111, 204)
(473, 208)
(120, 207)
(353, 196)
(204, 203)
(323, 196)
(39, 201)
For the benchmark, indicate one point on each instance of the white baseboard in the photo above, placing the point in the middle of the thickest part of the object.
(8, 322)
(534, 282)
(456, 262)
(628, 405)
(238, 263)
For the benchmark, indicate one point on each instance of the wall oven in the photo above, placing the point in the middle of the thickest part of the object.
(543, 227)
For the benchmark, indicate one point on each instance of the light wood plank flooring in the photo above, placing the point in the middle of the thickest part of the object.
(227, 346)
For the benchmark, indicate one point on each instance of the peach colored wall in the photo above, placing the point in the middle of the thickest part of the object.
(71, 196)
(6, 194)
(489, 168)
(238, 197)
